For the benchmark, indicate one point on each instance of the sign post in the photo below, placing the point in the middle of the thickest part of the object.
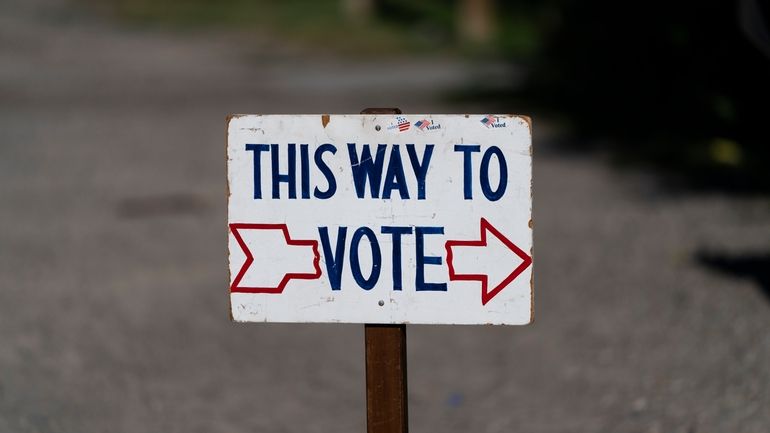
(386, 390)
(387, 403)
(384, 219)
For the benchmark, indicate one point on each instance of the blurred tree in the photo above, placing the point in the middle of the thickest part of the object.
(475, 21)
(679, 84)
(358, 11)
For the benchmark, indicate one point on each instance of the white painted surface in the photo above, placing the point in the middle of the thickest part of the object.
(314, 300)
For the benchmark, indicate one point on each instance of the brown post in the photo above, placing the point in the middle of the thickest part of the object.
(386, 393)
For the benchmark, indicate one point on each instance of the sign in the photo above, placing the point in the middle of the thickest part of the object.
(380, 218)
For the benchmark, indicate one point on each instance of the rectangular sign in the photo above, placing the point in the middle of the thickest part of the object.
(380, 218)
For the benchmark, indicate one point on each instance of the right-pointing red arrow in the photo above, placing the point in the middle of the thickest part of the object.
(498, 284)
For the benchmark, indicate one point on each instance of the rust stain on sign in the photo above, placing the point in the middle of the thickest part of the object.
(532, 295)
(325, 120)
(526, 119)
(228, 119)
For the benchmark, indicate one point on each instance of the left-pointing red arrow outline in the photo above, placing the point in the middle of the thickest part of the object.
(236, 287)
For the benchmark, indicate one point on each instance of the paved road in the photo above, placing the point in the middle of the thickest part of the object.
(113, 281)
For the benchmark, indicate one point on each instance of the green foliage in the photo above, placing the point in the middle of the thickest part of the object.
(395, 27)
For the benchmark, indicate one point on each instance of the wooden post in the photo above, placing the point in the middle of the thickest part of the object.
(386, 393)
(386, 390)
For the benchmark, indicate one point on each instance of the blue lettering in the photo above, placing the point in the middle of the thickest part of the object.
(396, 232)
(334, 261)
(326, 171)
(503, 183)
(355, 265)
(367, 168)
(394, 178)
(420, 168)
(304, 165)
(423, 260)
(257, 149)
(291, 177)
(467, 150)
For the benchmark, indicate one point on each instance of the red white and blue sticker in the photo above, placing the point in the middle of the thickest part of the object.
(427, 125)
(492, 121)
(401, 124)
(333, 219)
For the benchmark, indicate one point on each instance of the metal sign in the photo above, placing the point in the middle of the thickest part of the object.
(380, 218)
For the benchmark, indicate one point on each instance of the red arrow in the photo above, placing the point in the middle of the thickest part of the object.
(235, 227)
(486, 294)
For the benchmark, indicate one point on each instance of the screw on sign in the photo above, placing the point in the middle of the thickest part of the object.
(381, 218)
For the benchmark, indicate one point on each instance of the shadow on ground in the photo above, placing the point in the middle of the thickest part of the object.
(754, 266)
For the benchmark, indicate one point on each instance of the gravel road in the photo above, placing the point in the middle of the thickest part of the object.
(113, 273)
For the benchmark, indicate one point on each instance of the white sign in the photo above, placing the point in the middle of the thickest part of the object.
(380, 218)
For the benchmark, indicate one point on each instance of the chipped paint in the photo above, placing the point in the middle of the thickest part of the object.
(532, 296)
(228, 119)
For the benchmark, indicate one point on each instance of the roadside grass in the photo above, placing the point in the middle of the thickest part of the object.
(319, 24)
(396, 27)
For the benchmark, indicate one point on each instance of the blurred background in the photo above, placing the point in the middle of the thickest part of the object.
(652, 212)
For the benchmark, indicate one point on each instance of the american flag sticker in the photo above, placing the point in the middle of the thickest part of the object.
(403, 124)
(422, 124)
(489, 120)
